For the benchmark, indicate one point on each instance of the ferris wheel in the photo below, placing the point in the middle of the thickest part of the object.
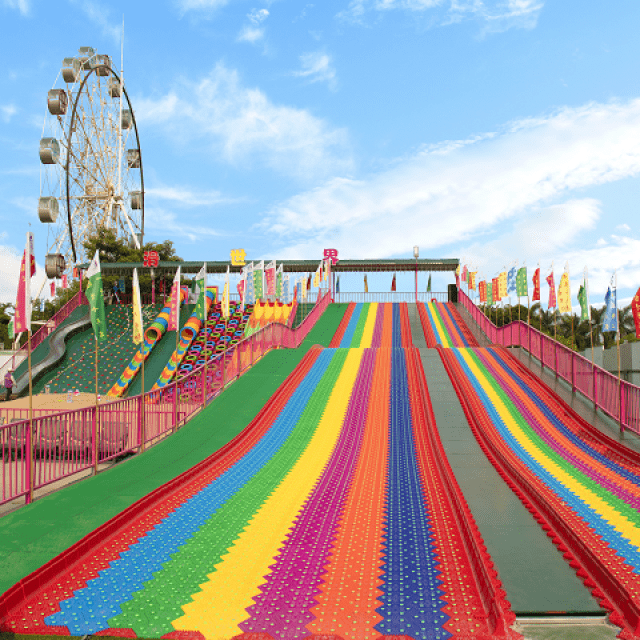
(91, 165)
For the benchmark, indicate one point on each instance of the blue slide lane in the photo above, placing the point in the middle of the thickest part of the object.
(397, 328)
(345, 343)
(137, 565)
(599, 524)
(412, 605)
(455, 323)
(433, 324)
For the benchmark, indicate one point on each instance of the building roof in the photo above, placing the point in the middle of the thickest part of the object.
(294, 266)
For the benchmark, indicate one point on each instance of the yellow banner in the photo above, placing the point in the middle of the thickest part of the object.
(137, 310)
(502, 285)
(564, 294)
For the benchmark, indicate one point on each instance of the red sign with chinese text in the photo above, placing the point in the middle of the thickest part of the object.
(151, 259)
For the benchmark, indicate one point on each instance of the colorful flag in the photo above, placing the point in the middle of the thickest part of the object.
(137, 310)
(285, 288)
(610, 319)
(522, 287)
(464, 273)
(53, 288)
(552, 289)
(472, 280)
(317, 276)
(536, 284)
(305, 283)
(270, 277)
(10, 329)
(495, 289)
(393, 283)
(258, 280)
(280, 282)
(95, 296)
(429, 284)
(582, 299)
(366, 284)
(309, 283)
(225, 297)
(511, 281)
(635, 310)
(174, 304)
(490, 299)
(564, 292)
(23, 302)
(502, 285)
(65, 284)
(201, 288)
(249, 289)
(241, 287)
(482, 290)
(458, 276)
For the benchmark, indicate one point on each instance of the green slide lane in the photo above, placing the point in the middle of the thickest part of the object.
(34, 534)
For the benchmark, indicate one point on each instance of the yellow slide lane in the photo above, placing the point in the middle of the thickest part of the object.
(218, 609)
(367, 334)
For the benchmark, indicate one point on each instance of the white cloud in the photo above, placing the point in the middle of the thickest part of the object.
(495, 15)
(7, 111)
(241, 124)
(198, 5)
(457, 192)
(167, 222)
(23, 6)
(99, 15)
(316, 67)
(187, 197)
(250, 34)
(257, 16)
(623, 227)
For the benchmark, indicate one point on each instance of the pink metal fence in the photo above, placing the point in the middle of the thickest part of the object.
(62, 444)
(617, 398)
(391, 296)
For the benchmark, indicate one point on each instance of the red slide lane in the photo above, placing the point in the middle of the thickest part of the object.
(596, 564)
(456, 534)
(133, 522)
(463, 325)
(429, 336)
(342, 327)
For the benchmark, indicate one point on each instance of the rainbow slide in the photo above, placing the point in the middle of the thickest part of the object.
(265, 313)
(151, 337)
(190, 330)
(442, 325)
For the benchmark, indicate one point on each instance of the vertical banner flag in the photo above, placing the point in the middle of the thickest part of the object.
(258, 280)
(137, 310)
(366, 284)
(304, 287)
(536, 284)
(241, 287)
(635, 310)
(490, 299)
(279, 283)
(464, 273)
(610, 320)
(23, 302)
(582, 299)
(225, 296)
(511, 281)
(53, 289)
(270, 277)
(10, 330)
(522, 286)
(174, 304)
(328, 270)
(495, 289)
(393, 283)
(472, 280)
(95, 297)
(249, 289)
(482, 290)
(564, 292)
(285, 288)
(502, 285)
(458, 276)
(429, 284)
(552, 289)
(65, 282)
(317, 276)
(201, 288)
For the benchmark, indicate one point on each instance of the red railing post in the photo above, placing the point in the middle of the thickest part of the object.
(594, 372)
(204, 386)
(29, 455)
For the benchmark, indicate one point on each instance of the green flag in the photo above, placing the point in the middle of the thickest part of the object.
(96, 299)
(429, 284)
(582, 299)
(12, 334)
(522, 288)
(489, 292)
(199, 290)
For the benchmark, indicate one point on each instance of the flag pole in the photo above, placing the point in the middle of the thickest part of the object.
(615, 273)
(95, 440)
(142, 423)
(586, 282)
(30, 441)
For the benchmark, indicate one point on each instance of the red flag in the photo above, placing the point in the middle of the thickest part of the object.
(65, 284)
(482, 289)
(393, 283)
(635, 310)
(495, 289)
(23, 302)
(464, 273)
(75, 272)
(53, 289)
(174, 313)
(536, 285)
(552, 290)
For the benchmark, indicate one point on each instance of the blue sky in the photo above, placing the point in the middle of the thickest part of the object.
(488, 130)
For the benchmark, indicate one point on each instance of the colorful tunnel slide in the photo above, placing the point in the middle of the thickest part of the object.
(152, 336)
(334, 513)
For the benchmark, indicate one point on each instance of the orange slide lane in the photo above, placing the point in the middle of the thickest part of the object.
(350, 590)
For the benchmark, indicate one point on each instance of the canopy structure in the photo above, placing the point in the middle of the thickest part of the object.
(292, 266)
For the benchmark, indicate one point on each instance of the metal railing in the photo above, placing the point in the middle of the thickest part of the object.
(65, 443)
(617, 398)
(44, 332)
(391, 296)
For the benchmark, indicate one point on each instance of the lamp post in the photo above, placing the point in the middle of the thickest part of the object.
(153, 286)
(416, 253)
